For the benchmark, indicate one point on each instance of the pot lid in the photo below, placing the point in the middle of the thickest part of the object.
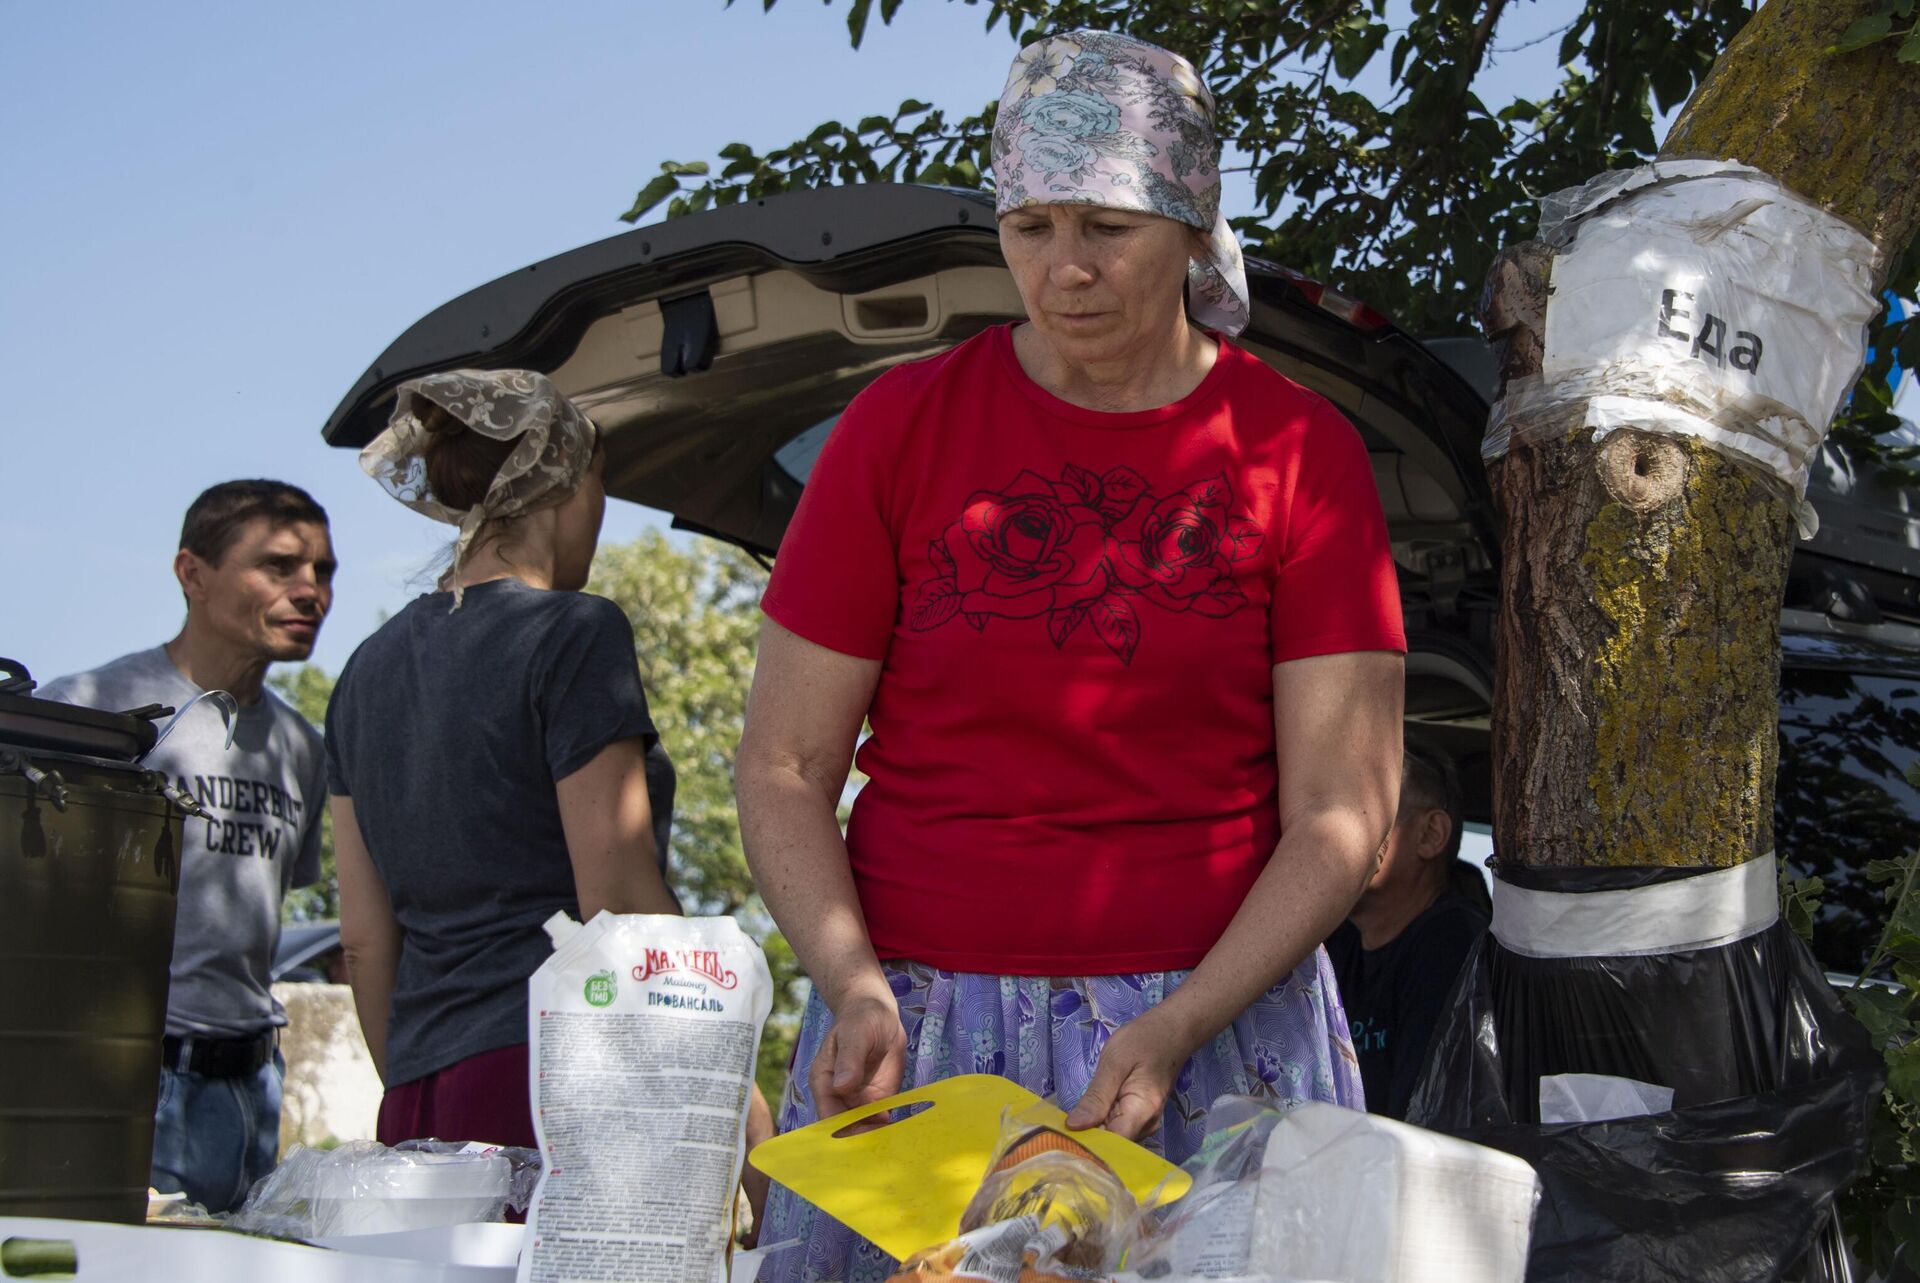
(52, 726)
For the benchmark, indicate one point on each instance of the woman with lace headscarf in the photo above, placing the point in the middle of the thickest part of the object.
(1117, 603)
(490, 753)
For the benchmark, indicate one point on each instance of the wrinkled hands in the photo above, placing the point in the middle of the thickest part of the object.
(863, 1057)
(1136, 1073)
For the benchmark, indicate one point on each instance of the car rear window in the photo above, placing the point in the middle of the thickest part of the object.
(1842, 801)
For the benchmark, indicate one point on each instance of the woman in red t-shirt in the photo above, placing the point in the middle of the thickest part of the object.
(1117, 602)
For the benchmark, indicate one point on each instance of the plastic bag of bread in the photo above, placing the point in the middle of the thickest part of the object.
(1049, 1211)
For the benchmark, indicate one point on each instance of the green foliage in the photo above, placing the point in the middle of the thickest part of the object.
(696, 620)
(1381, 164)
(914, 144)
(1894, 21)
(1799, 901)
(308, 688)
(1863, 427)
(1881, 1210)
(1377, 164)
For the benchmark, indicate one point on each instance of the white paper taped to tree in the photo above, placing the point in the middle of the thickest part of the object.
(1698, 298)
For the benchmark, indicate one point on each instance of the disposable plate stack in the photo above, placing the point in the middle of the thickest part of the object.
(1346, 1195)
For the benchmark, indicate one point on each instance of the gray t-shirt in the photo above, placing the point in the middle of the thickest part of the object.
(265, 795)
(449, 730)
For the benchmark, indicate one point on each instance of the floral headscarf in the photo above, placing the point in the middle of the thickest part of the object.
(1095, 118)
(555, 445)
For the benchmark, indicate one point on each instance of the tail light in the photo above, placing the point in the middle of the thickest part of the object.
(1349, 309)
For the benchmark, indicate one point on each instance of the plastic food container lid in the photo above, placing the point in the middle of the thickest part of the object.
(411, 1175)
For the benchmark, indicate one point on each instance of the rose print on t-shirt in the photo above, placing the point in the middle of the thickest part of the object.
(1088, 548)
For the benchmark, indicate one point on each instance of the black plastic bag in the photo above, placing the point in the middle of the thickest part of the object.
(1774, 1084)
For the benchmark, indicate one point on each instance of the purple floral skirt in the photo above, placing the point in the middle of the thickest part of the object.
(1046, 1035)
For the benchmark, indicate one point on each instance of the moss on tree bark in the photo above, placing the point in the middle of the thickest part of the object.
(1638, 650)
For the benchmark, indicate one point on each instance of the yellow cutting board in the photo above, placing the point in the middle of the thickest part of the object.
(905, 1184)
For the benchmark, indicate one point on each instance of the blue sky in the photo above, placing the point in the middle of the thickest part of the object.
(217, 215)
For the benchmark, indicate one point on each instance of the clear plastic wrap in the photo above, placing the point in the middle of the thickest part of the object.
(1209, 1233)
(1048, 1209)
(363, 1187)
(1697, 299)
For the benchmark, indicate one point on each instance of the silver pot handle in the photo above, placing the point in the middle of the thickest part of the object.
(229, 713)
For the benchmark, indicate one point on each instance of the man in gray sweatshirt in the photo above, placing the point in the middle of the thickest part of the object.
(256, 567)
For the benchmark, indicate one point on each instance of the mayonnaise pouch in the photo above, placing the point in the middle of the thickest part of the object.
(643, 1032)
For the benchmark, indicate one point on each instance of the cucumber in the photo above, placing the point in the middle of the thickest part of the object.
(38, 1258)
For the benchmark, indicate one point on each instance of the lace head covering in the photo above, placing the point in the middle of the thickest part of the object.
(554, 445)
(1095, 118)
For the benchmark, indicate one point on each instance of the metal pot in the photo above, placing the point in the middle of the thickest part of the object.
(89, 870)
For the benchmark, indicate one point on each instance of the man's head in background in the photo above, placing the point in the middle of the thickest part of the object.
(1426, 831)
(256, 566)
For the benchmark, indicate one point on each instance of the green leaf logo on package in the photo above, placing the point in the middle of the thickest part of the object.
(599, 989)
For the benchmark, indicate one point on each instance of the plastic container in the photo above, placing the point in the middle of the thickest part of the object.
(390, 1192)
(1354, 1196)
(87, 899)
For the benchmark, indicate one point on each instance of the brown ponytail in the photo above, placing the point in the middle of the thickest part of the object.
(460, 463)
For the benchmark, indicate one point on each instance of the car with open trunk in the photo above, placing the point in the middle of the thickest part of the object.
(716, 351)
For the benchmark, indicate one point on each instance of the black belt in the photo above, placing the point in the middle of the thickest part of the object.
(219, 1057)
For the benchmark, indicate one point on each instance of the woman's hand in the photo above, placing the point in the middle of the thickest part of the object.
(863, 1057)
(1136, 1073)
(803, 717)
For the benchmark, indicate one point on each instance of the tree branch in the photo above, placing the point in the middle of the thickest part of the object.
(1537, 40)
(1314, 28)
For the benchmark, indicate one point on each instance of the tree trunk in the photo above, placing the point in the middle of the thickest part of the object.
(1634, 718)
